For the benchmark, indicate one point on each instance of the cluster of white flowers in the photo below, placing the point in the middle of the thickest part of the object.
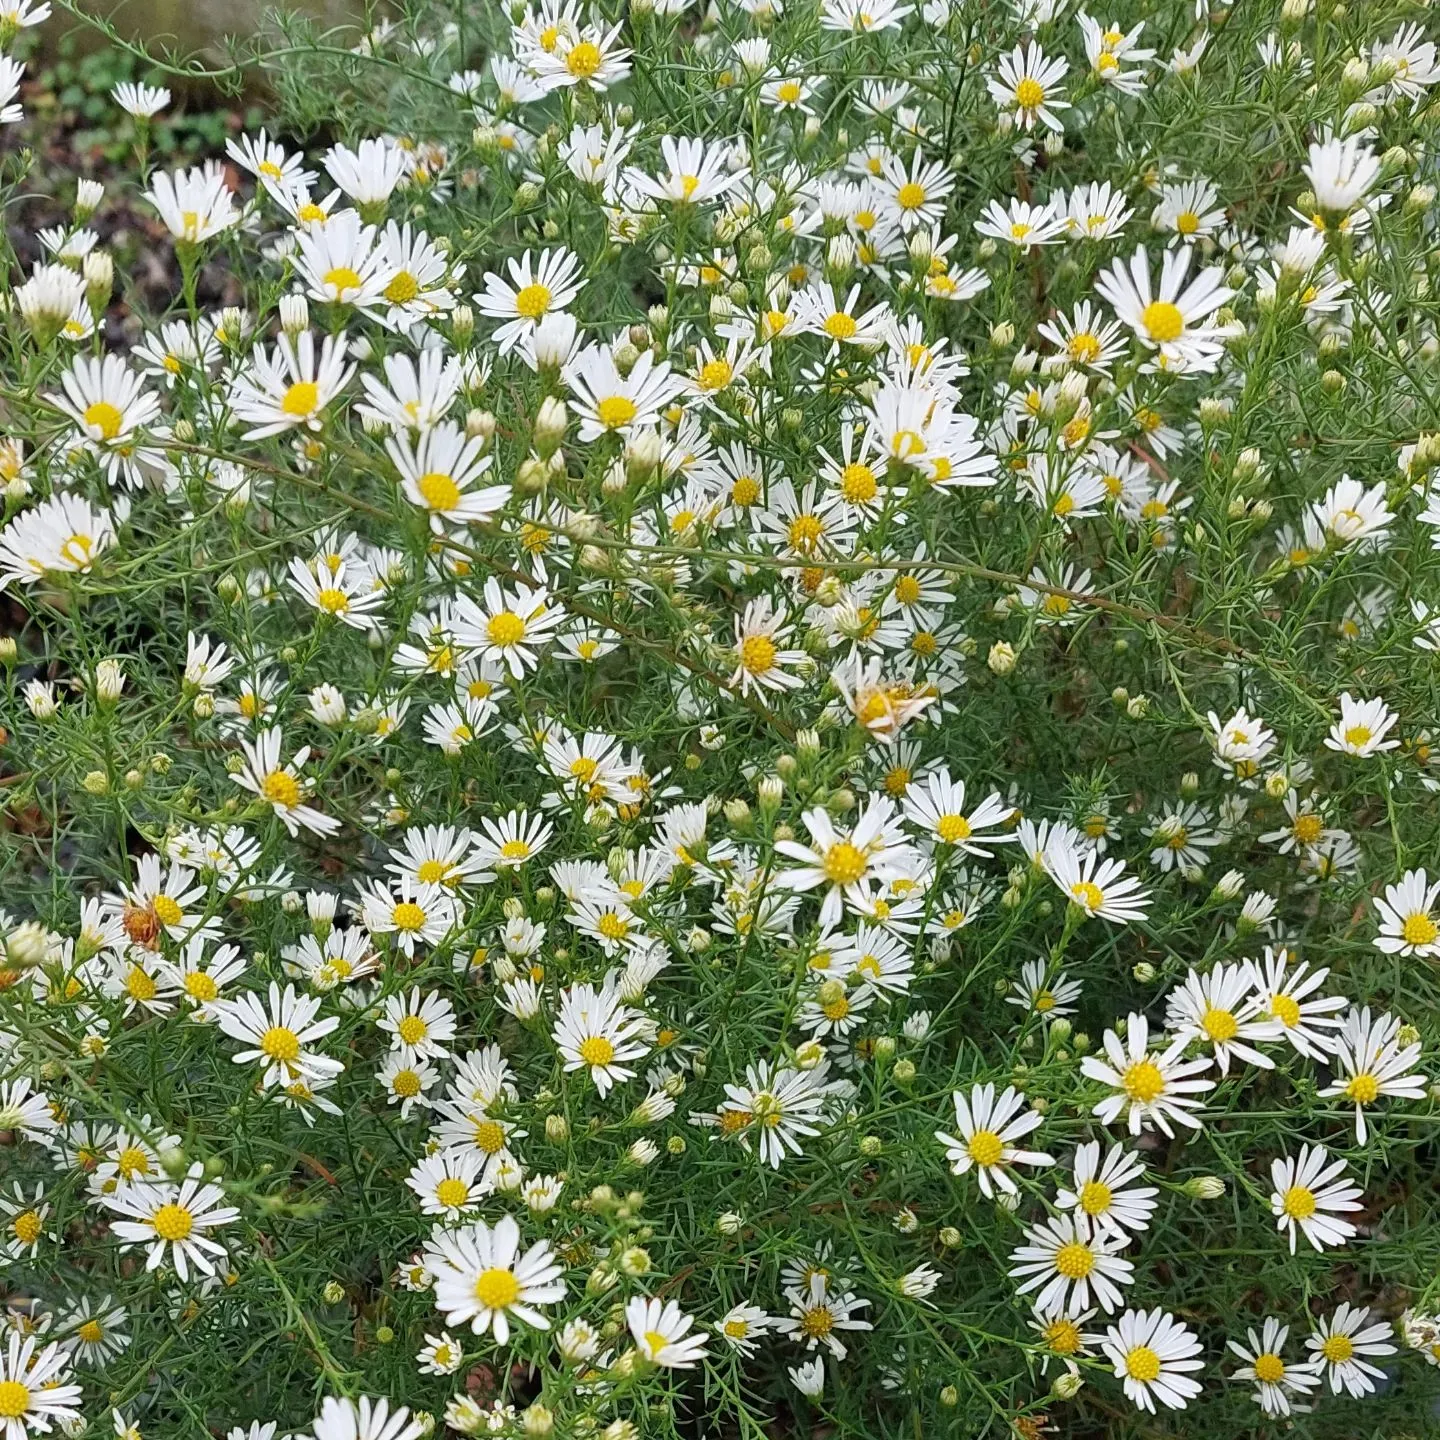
(749, 583)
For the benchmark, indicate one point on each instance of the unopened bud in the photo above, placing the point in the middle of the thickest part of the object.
(1204, 1187)
(294, 314)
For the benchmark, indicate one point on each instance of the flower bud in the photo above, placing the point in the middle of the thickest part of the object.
(40, 699)
(98, 270)
(294, 315)
(643, 452)
(1204, 1187)
(27, 945)
(550, 425)
(109, 681)
(537, 1420)
(88, 195)
(1067, 1386)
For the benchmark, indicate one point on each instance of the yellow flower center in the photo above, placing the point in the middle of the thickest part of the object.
(1338, 1349)
(342, 279)
(167, 911)
(431, 872)
(745, 491)
(91, 1332)
(506, 628)
(985, 1147)
(489, 1136)
(1306, 829)
(1142, 1364)
(858, 484)
(1363, 1089)
(1075, 1260)
(402, 289)
(910, 196)
(844, 863)
(405, 1083)
(1286, 1010)
(907, 590)
(805, 533)
(515, 850)
(407, 916)
(132, 1161)
(1163, 321)
(1063, 1336)
(1269, 1368)
(788, 92)
(1219, 1025)
(452, 1193)
(952, 828)
(139, 985)
(714, 374)
(14, 1400)
(280, 787)
(596, 1050)
(280, 1043)
(172, 1222)
(1029, 94)
(1419, 929)
(1095, 1197)
(817, 1323)
(1143, 1081)
(532, 301)
(757, 654)
(77, 550)
(332, 601)
(1358, 735)
(199, 986)
(104, 417)
(412, 1030)
(301, 398)
(496, 1288)
(613, 925)
(615, 411)
(439, 490)
(1298, 1202)
(1087, 895)
(1187, 222)
(583, 60)
(840, 326)
(27, 1226)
